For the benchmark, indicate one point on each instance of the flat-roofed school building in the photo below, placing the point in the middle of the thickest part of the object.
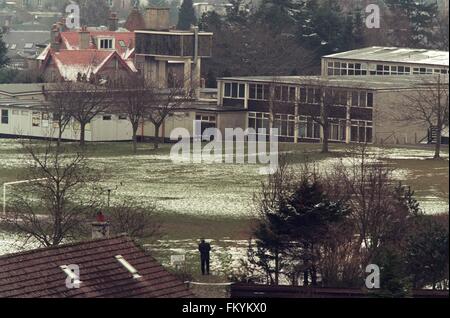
(359, 111)
(386, 61)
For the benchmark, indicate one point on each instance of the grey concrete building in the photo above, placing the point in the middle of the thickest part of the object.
(386, 61)
(359, 111)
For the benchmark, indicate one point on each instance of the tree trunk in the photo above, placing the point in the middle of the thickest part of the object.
(82, 134)
(313, 276)
(60, 132)
(135, 128)
(277, 269)
(437, 148)
(305, 278)
(325, 148)
(156, 141)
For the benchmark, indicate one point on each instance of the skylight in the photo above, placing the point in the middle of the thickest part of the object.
(128, 266)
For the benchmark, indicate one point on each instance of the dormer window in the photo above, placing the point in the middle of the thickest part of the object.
(106, 44)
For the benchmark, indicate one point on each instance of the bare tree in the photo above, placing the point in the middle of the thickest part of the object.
(61, 195)
(133, 98)
(368, 187)
(429, 105)
(60, 106)
(319, 92)
(87, 100)
(136, 219)
(165, 102)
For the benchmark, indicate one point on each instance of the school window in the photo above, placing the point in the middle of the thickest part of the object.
(122, 117)
(361, 131)
(337, 130)
(285, 125)
(340, 98)
(234, 90)
(5, 116)
(342, 69)
(258, 121)
(355, 99)
(284, 93)
(310, 95)
(258, 91)
(308, 128)
(302, 95)
(369, 99)
(362, 99)
(107, 117)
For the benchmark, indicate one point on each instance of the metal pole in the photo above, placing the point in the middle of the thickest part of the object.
(4, 199)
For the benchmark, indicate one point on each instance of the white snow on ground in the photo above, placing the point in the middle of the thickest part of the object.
(236, 250)
(9, 243)
(204, 189)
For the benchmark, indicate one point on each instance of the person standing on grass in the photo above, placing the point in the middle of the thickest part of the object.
(204, 249)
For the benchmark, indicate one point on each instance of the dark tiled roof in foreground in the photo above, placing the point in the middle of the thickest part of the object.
(37, 273)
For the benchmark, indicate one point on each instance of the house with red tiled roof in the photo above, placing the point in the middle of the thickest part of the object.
(78, 64)
(102, 268)
(86, 52)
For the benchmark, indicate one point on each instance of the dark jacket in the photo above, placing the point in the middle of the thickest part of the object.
(204, 249)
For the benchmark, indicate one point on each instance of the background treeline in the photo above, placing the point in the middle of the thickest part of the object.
(288, 37)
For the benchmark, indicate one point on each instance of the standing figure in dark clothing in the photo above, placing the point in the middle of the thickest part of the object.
(204, 249)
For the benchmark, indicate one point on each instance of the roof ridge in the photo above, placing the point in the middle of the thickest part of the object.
(122, 235)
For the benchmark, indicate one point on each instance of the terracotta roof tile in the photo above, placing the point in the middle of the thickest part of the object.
(37, 273)
(124, 41)
(72, 62)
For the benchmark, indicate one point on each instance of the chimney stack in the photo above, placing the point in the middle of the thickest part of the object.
(113, 22)
(84, 38)
(157, 19)
(100, 228)
(54, 34)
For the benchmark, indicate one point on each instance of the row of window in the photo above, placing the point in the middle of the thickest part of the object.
(307, 95)
(344, 68)
(308, 128)
(37, 117)
(206, 118)
(234, 90)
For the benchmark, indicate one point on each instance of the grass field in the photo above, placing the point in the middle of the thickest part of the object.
(215, 201)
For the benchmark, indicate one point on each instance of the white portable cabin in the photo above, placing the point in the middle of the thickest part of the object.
(29, 118)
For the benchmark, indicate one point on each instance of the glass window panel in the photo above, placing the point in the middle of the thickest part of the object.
(370, 99)
(316, 130)
(227, 90)
(369, 132)
(302, 95)
(362, 99)
(234, 90)
(241, 90)
(252, 91)
(292, 94)
(310, 95)
(355, 99)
